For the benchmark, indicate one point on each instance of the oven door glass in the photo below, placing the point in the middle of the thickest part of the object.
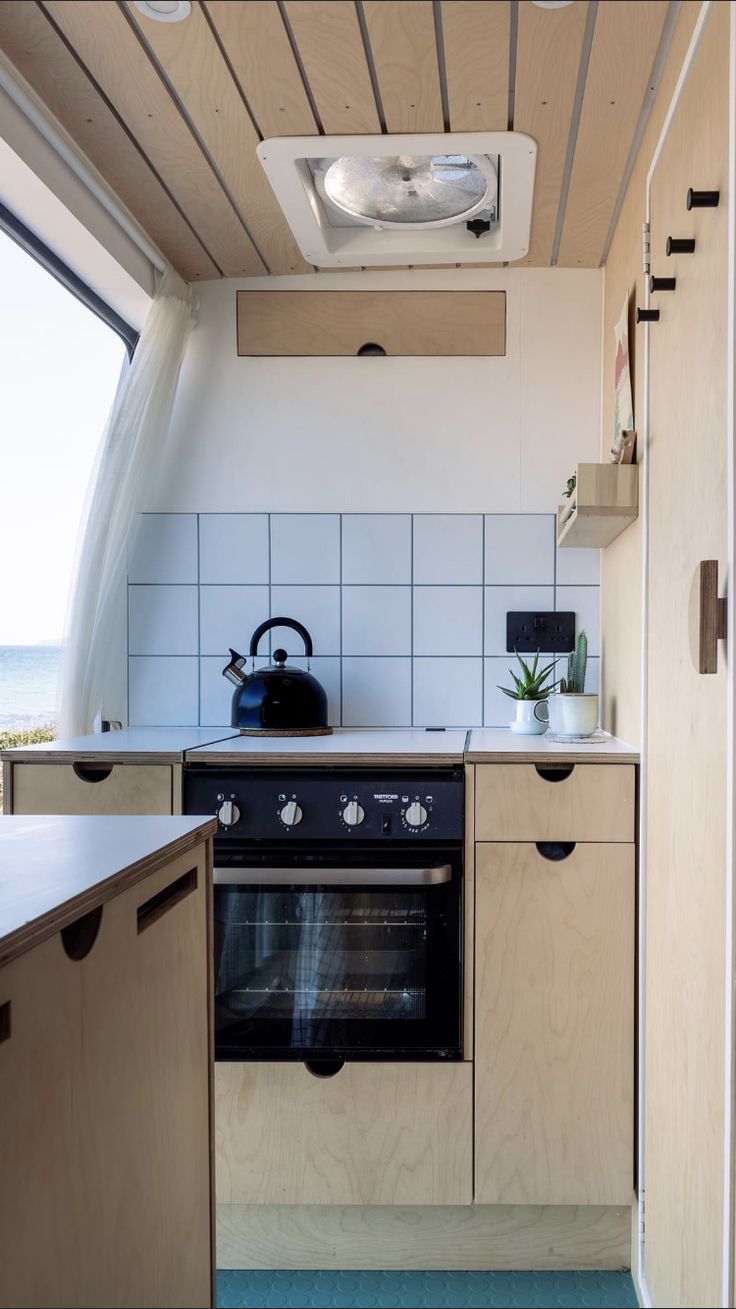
(330, 970)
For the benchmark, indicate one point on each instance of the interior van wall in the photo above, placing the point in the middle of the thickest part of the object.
(488, 435)
(622, 561)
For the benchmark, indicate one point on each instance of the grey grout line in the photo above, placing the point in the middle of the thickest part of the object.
(199, 631)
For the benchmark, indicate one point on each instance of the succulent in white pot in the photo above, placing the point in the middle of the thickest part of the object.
(573, 712)
(530, 691)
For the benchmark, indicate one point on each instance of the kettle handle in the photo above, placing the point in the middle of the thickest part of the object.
(281, 622)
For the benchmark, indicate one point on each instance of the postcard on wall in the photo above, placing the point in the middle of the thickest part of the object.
(623, 416)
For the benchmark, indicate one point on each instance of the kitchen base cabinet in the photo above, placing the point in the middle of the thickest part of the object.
(374, 1134)
(554, 1050)
(98, 788)
(105, 1180)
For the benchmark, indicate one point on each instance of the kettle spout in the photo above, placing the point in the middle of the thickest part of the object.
(234, 670)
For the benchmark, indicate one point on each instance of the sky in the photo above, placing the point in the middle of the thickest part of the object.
(59, 368)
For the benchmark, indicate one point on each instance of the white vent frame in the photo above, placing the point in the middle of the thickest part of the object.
(284, 160)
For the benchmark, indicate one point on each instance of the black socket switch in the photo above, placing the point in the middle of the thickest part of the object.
(552, 633)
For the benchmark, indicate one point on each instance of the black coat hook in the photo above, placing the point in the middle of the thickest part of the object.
(703, 199)
(680, 245)
(647, 315)
(662, 283)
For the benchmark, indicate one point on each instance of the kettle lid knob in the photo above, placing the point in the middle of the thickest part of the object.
(280, 656)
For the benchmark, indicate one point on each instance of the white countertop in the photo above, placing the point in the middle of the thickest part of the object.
(489, 743)
(414, 744)
(159, 744)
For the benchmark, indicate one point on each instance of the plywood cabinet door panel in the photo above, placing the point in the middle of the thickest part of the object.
(374, 1134)
(554, 1043)
(92, 789)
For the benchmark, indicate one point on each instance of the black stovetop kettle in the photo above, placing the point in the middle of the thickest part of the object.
(277, 701)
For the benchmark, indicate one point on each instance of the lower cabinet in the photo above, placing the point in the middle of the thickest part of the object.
(77, 788)
(554, 1003)
(374, 1134)
(105, 1182)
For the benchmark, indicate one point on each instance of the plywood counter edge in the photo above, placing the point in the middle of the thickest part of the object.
(564, 756)
(38, 929)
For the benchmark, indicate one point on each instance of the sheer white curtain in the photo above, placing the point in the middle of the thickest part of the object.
(125, 475)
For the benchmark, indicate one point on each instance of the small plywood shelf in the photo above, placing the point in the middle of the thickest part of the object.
(605, 501)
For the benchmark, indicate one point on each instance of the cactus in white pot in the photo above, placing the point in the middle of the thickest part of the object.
(573, 712)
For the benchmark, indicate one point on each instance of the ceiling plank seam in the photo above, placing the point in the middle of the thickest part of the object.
(300, 65)
(574, 125)
(181, 108)
(441, 63)
(228, 62)
(660, 59)
(121, 121)
(371, 65)
(513, 44)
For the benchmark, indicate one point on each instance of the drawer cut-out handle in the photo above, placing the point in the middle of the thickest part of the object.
(558, 773)
(91, 772)
(151, 910)
(555, 850)
(324, 1067)
(5, 1021)
(78, 937)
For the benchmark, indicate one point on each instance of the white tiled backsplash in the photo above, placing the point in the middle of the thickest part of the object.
(407, 612)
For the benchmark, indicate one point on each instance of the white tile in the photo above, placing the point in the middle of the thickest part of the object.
(233, 548)
(498, 709)
(501, 600)
(166, 549)
(162, 620)
(448, 620)
(317, 608)
(448, 548)
(162, 692)
(305, 548)
(584, 601)
(578, 566)
(520, 549)
(228, 617)
(327, 671)
(376, 548)
(376, 620)
(448, 692)
(376, 692)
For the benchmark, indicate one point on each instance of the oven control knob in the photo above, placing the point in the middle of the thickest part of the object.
(291, 814)
(416, 815)
(228, 814)
(353, 814)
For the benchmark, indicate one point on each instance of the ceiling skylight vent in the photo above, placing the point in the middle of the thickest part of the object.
(453, 197)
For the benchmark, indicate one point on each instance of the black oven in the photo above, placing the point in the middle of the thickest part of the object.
(338, 936)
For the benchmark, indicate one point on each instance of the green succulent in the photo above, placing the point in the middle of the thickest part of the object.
(533, 683)
(577, 663)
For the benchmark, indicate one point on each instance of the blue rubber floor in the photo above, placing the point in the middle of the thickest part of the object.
(373, 1290)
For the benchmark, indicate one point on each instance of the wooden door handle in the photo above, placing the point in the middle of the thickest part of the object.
(713, 617)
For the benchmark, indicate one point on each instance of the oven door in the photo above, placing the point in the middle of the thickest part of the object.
(348, 955)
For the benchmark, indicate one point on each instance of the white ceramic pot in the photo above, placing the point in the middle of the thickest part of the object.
(573, 715)
(528, 722)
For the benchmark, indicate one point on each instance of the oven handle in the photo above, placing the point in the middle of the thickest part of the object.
(333, 876)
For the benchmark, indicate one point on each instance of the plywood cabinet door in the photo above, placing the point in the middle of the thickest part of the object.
(554, 1043)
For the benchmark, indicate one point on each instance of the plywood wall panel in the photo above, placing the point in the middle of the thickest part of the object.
(106, 44)
(38, 52)
(256, 43)
(549, 46)
(330, 44)
(621, 562)
(625, 43)
(192, 62)
(323, 323)
(476, 37)
(404, 48)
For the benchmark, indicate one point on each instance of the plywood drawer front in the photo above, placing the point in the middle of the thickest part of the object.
(64, 789)
(373, 1134)
(554, 1047)
(591, 802)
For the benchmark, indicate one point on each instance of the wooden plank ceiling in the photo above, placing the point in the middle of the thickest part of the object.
(171, 113)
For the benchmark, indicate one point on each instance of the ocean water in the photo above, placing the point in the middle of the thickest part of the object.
(29, 677)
